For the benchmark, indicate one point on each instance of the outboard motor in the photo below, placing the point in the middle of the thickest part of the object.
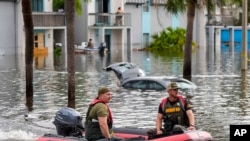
(68, 122)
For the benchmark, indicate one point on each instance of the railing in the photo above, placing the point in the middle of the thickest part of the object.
(223, 20)
(48, 19)
(135, 1)
(109, 19)
(158, 2)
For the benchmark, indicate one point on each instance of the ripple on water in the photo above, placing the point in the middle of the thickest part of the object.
(218, 101)
(12, 135)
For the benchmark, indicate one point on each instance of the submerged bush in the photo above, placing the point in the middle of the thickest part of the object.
(169, 39)
(57, 50)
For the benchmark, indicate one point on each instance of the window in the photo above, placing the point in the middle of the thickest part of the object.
(146, 7)
(37, 5)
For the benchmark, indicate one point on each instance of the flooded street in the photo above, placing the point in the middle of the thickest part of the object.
(221, 99)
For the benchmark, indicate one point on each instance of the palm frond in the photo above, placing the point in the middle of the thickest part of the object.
(175, 6)
(78, 7)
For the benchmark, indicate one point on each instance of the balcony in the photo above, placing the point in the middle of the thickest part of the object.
(135, 1)
(221, 20)
(48, 19)
(109, 19)
(158, 2)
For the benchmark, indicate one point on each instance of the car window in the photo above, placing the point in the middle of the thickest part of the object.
(152, 85)
(135, 85)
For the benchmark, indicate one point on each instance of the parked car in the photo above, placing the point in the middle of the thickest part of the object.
(132, 77)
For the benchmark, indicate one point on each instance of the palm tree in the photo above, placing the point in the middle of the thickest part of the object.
(29, 33)
(180, 6)
(28, 27)
(70, 14)
(71, 5)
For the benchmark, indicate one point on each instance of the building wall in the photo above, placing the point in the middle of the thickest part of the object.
(49, 34)
(116, 4)
(199, 33)
(159, 19)
(20, 34)
(7, 28)
(48, 5)
(91, 9)
(81, 25)
(136, 22)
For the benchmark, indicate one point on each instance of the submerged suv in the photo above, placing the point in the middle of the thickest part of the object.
(132, 77)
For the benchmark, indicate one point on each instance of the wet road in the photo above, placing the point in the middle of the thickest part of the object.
(221, 99)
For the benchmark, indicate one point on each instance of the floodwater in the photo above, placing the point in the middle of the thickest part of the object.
(221, 99)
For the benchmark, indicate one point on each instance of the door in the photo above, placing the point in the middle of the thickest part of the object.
(102, 7)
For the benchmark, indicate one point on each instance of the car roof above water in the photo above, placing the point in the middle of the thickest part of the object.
(164, 80)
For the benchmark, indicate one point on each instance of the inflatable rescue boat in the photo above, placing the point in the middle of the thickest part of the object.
(69, 127)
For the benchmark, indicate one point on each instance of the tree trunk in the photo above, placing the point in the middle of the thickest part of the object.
(187, 66)
(29, 41)
(70, 13)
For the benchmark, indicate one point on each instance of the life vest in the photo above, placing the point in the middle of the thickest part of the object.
(180, 98)
(95, 101)
(174, 114)
(92, 127)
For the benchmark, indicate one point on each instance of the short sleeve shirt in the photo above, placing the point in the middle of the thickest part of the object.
(99, 110)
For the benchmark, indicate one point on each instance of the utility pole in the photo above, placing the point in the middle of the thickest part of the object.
(244, 36)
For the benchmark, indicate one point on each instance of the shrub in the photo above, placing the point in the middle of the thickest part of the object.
(170, 39)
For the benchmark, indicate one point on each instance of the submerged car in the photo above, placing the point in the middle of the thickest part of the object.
(132, 77)
(157, 83)
(125, 70)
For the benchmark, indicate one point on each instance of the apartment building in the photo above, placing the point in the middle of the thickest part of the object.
(49, 26)
(140, 20)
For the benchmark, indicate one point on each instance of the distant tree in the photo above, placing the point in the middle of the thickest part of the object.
(58, 4)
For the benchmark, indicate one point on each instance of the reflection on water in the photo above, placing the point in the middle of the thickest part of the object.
(221, 98)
